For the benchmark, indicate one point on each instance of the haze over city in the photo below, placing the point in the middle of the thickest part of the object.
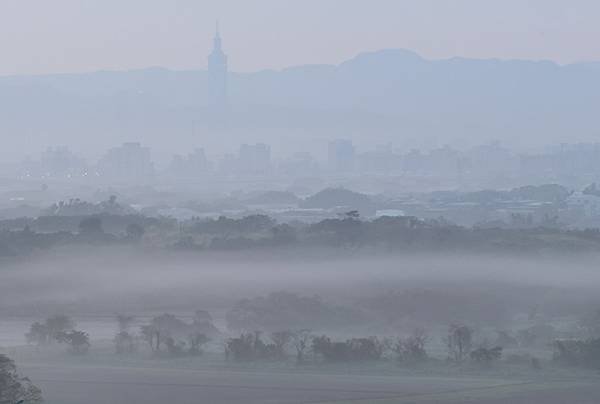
(333, 201)
(70, 36)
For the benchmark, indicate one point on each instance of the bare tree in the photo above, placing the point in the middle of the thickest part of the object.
(459, 342)
(150, 334)
(78, 341)
(301, 340)
(281, 340)
(124, 341)
(485, 356)
(48, 331)
(38, 334)
(196, 341)
(411, 349)
(124, 322)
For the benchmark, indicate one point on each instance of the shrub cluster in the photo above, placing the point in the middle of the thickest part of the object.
(583, 353)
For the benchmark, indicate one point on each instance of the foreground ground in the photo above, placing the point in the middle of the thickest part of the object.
(75, 384)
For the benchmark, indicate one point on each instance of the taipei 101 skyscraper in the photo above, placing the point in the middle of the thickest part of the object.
(217, 74)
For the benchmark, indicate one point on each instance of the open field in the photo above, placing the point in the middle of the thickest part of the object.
(73, 384)
(522, 393)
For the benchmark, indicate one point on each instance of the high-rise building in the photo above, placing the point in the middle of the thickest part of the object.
(193, 165)
(130, 161)
(217, 74)
(299, 164)
(341, 155)
(60, 161)
(254, 159)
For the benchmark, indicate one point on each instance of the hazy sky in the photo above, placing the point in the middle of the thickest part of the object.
(49, 36)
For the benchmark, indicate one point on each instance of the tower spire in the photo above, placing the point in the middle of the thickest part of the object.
(217, 71)
(217, 40)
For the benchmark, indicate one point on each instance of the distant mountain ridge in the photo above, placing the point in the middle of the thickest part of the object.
(390, 95)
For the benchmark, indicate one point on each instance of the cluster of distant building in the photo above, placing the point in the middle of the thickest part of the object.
(490, 163)
(133, 161)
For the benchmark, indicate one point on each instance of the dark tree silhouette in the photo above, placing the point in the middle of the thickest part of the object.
(78, 341)
(13, 387)
(91, 226)
(459, 341)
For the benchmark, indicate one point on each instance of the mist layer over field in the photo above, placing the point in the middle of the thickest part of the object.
(106, 280)
(359, 294)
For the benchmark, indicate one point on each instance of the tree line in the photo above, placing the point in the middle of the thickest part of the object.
(348, 231)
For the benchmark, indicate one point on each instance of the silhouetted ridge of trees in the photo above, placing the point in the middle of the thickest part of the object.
(346, 231)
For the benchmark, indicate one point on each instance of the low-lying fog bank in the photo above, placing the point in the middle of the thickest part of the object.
(108, 277)
(103, 281)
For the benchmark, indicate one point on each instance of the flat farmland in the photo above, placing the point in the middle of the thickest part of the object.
(69, 384)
